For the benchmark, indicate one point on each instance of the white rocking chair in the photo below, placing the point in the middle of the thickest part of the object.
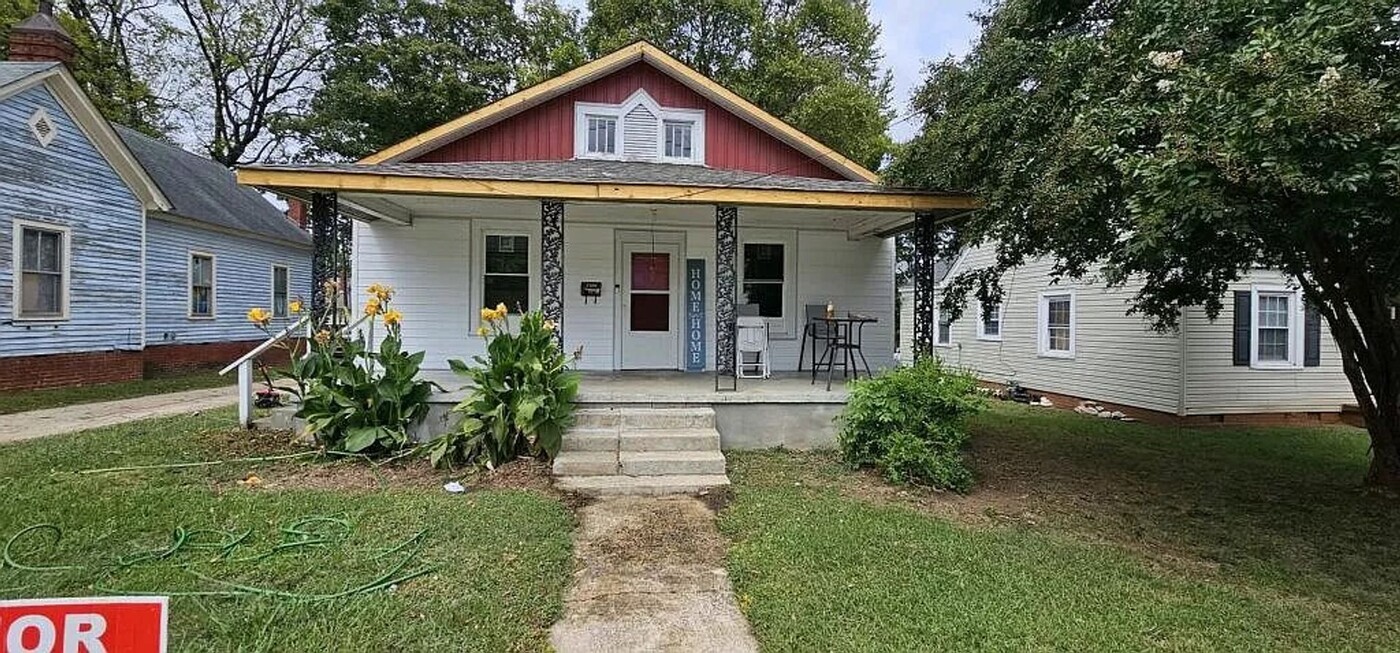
(752, 353)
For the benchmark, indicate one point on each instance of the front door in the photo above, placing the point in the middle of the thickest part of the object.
(650, 301)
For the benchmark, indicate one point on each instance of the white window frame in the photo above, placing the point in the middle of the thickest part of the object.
(478, 268)
(784, 327)
(66, 235)
(937, 319)
(1295, 327)
(696, 119)
(982, 322)
(213, 285)
(272, 287)
(585, 110)
(1043, 322)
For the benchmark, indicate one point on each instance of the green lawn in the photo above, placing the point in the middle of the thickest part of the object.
(499, 559)
(1083, 534)
(18, 402)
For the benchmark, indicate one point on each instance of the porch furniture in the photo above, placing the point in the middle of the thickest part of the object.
(847, 333)
(751, 352)
(816, 328)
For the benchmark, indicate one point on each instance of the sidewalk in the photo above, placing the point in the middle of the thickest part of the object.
(51, 421)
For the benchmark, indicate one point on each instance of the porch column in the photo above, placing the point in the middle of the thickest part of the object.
(726, 294)
(330, 260)
(552, 266)
(925, 300)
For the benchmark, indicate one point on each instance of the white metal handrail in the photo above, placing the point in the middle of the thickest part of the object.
(244, 364)
(266, 345)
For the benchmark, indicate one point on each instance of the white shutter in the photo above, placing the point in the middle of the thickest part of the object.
(639, 134)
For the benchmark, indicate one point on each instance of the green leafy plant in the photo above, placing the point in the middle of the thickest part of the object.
(911, 424)
(358, 399)
(522, 397)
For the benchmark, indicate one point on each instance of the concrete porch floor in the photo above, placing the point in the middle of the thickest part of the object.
(668, 387)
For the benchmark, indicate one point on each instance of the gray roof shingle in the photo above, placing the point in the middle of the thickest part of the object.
(14, 71)
(598, 172)
(203, 190)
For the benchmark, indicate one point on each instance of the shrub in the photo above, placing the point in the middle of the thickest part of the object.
(522, 398)
(911, 424)
(355, 398)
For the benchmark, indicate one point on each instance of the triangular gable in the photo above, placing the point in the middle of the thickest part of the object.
(639, 56)
(97, 130)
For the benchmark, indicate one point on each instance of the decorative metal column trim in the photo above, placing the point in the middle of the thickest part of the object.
(552, 266)
(726, 293)
(925, 300)
(331, 234)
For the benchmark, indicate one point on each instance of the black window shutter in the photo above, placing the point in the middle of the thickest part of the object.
(1312, 338)
(1243, 327)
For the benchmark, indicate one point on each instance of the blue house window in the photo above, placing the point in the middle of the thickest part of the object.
(201, 285)
(279, 291)
(43, 272)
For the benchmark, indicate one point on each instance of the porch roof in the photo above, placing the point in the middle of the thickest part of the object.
(592, 180)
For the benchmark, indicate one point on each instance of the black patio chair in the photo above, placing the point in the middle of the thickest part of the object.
(815, 329)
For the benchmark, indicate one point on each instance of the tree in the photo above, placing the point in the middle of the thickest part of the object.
(813, 63)
(553, 42)
(254, 61)
(1181, 144)
(102, 66)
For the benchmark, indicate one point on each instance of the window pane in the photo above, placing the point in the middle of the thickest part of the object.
(650, 312)
(1057, 312)
(199, 301)
(202, 269)
(678, 139)
(763, 262)
(511, 290)
(945, 331)
(768, 296)
(991, 320)
(1273, 344)
(31, 249)
(651, 271)
(507, 255)
(42, 294)
(1059, 338)
(602, 135)
(279, 292)
(1273, 311)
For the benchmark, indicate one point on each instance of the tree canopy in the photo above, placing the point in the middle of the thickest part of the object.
(1181, 144)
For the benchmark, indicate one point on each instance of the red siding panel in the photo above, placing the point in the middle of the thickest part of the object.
(546, 132)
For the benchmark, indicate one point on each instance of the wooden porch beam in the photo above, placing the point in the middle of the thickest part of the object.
(357, 182)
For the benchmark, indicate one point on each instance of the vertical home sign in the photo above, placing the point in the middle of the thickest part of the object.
(695, 315)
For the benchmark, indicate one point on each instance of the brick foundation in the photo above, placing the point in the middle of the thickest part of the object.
(1070, 402)
(94, 368)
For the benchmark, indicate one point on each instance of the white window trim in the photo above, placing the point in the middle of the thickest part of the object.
(18, 265)
(982, 322)
(272, 289)
(213, 286)
(1043, 322)
(482, 229)
(582, 110)
(1295, 327)
(784, 328)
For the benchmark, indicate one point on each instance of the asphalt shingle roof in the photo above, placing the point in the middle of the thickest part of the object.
(597, 172)
(203, 190)
(13, 71)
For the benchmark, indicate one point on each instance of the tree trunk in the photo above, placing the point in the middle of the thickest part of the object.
(1368, 340)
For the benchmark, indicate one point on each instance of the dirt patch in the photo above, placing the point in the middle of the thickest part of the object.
(677, 530)
(250, 443)
(717, 499)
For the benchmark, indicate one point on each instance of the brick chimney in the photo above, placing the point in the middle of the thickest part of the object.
(41, 38)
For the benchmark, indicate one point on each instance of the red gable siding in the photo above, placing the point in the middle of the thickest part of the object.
(546, 132)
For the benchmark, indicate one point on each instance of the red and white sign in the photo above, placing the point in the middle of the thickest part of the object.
(96, 625)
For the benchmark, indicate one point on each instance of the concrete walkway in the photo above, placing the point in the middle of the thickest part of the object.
(650, 577)
(51, 421)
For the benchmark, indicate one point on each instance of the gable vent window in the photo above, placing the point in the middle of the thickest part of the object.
(639, 137)
(43, 127)
(678, 139)
(602, 135)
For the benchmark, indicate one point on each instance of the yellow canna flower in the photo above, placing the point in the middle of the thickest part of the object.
(372, 307)
(323, 337)
(549, 325)
(392, 317)
(483, 331)
(501, 310)
(487, 315)
(259, 316)
(295, 306)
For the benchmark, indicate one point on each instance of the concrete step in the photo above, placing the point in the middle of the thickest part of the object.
(586, 463)
(591, 440)
(632, 419)
(608, 486)
(677, 440)
(671, 463)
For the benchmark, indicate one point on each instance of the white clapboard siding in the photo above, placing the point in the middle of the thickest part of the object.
(639, 138)
(69, 184)
(429, 264)
(1214, 385)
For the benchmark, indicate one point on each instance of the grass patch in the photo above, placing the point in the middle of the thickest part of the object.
(501, 557)
(1081, 534)
(18, 402)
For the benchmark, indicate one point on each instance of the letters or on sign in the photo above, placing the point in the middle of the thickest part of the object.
(94, 625)
(695, 315)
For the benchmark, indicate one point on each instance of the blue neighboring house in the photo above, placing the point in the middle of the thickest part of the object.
(122, 255)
